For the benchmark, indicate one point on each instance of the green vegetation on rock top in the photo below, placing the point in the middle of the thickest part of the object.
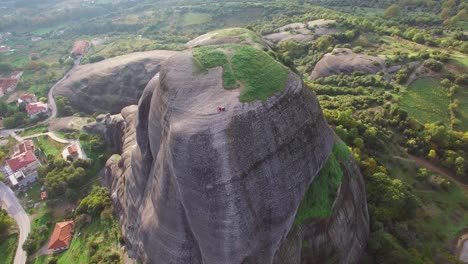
(257, 74)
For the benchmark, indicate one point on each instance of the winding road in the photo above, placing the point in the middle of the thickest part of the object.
(9, 202)
(8, 199)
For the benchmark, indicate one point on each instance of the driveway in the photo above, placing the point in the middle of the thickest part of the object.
(9, 202)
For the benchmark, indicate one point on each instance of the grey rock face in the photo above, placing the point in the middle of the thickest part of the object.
(340, 238)
(111, 84)
(343, 60)
(196, 186)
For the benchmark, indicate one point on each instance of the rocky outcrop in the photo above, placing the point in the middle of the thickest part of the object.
(196, 186)
(339, 238)
(110, 85)
(343, 60)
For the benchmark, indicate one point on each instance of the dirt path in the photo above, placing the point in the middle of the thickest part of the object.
(438, 170)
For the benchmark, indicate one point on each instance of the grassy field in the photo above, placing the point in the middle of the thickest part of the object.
(113, 47)
(49, 146)
(8, 249)
(258, 74)
(319, 198)
(426, 101)
(196, 18)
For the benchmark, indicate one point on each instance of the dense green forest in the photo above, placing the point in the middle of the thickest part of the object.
(406, 123)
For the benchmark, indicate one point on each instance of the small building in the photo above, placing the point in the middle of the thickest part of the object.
(27, 145)
(61, 236)
(35, 38)
(22, 169)
(80, 47)
(16, 75)
(4, 49)
(7, 85)
(27, 98)
(73, 150)
(34, 109)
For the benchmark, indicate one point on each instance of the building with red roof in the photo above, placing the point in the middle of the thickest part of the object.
(22, 169)
(4, 49)
(72, 150)
(34, 109)
(80, 47)
(61, 236)
(35, 38)
(22, 161)
(27, 145)
(27, 98)
(16, 75)
(7, 85)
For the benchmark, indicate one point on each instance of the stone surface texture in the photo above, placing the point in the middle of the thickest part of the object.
(343, 60)
(112, 84)
(192, 185)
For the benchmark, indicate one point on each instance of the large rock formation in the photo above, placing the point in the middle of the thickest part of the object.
(111, 84)
(343, 60)
(193, 185)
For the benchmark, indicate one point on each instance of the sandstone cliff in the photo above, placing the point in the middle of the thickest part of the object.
(196, 186)
(111, 84)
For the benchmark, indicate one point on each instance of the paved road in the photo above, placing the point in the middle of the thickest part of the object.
(50, 95)
(9, 201)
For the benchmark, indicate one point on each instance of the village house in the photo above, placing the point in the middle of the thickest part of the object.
(35, 39)
(7, 85)
(61, 236)
(16, 75)
(73, 150)
(80, 47)
(34, 109)
(22, 169)
(24, 146)
(4, 49)
(27, 98)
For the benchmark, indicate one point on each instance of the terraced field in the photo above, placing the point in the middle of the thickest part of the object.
(426, 101)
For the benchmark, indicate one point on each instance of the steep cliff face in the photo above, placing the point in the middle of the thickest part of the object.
(194, 185)
(111, 84)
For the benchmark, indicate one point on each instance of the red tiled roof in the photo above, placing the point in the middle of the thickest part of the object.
(26, 146)
(27, 96)
(34, 108)
(22, 160)
(4, 48)
(62, 235)
(15, 73)
(72, 149)
(6, 83)
(80, 47)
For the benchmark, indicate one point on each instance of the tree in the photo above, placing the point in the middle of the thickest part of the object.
(388, 198)
(95, 202)
(392, 10)
(5, 221)
(432, 154)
